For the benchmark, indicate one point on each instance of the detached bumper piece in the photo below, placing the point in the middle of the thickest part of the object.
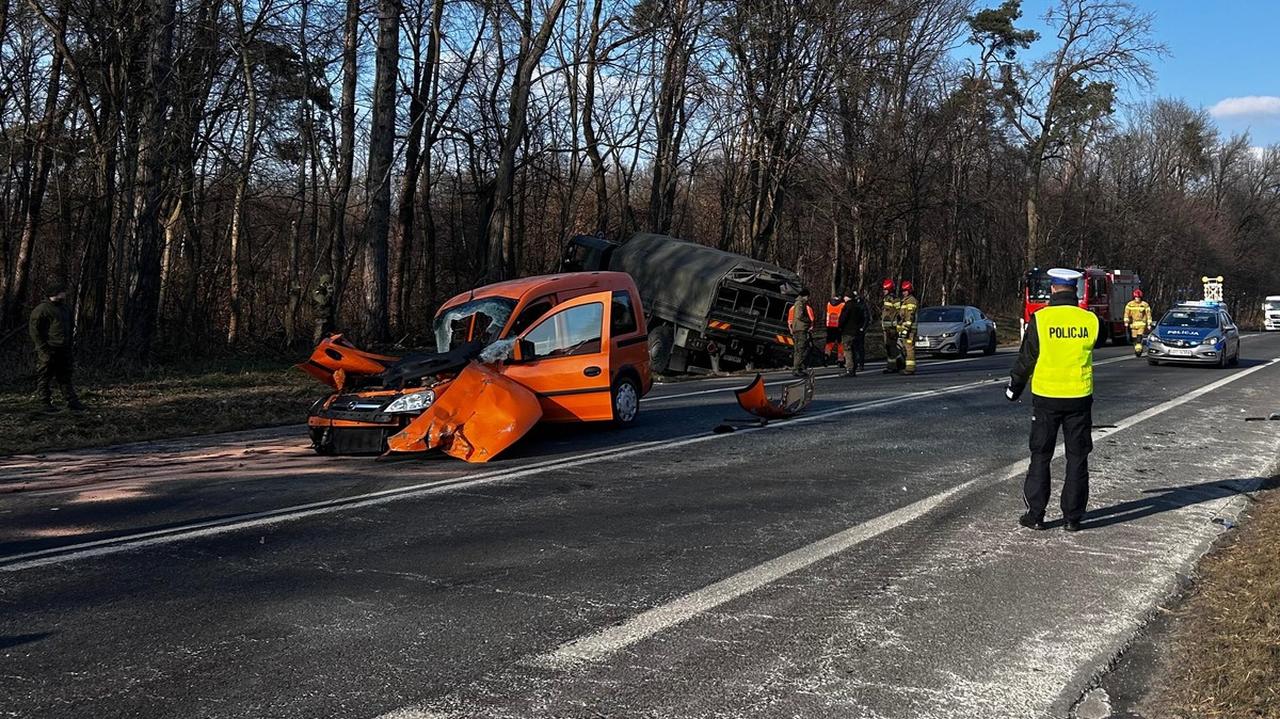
(795, 397)
(480, 414)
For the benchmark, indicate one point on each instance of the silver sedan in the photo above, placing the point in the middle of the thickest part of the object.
(955, 330)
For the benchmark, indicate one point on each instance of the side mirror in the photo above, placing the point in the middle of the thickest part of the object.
(523, 351)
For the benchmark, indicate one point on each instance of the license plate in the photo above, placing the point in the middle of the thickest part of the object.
(1180, 353)
(924, 343)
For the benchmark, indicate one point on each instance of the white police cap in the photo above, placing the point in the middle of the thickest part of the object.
(1061, 276)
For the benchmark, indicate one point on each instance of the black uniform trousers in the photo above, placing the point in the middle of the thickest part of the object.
(56, 364)
(1077, 425)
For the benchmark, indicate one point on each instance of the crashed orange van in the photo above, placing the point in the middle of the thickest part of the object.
(559, 348)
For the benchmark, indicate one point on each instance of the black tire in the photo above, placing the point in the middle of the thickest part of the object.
(1153, 363)
(320, 445)
(662, 341)
(990, 349)
(963, 350)
(625, 400)
(1235, 358)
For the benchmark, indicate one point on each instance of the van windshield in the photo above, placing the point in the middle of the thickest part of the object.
(1273, 305)
(475, 321)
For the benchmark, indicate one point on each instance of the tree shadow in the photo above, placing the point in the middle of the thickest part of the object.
(1167, 499)
(17, 640)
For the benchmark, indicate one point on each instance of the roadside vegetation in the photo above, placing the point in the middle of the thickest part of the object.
(209, 396)
(1224, 656)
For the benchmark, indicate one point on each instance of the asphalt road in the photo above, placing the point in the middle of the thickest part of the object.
(860, 561)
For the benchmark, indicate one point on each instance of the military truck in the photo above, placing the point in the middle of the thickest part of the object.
(705, 307)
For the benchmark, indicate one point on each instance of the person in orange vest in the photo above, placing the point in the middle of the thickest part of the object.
(801, 321)
(834, 350)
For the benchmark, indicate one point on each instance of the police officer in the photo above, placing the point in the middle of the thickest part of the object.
(852, 324)
(1137, 321)
(51, 331)
(322, 308)
(908, 306)
(1057, 359)
(860, 339)
(800, 318)
(889, 324)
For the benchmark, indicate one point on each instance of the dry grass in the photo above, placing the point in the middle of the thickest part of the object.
(1225, 651)
(224, 395)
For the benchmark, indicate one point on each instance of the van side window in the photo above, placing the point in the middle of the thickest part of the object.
(533, 311)
(574, 331)
(623, 321)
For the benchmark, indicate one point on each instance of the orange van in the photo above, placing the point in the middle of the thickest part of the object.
(576, 342)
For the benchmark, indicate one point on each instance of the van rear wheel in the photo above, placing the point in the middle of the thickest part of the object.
(626, 401)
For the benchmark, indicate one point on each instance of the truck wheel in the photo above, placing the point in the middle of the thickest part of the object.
(626, 401)
(661, 343)
(990, 349)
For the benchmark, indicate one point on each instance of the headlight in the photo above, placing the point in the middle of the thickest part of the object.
(1210, 341)
(415, 402)
(946, 335)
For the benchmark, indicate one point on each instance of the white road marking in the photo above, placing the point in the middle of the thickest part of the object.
(601, 644)
(210, 528)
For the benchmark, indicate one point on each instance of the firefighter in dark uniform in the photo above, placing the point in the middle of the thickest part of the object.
(908, 307)
(51, 331)
(800, 318)
(322, 309)
(1057, 359)
(889, 324)
(852, 324)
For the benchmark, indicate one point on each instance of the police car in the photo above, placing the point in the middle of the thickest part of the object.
(1195, 333)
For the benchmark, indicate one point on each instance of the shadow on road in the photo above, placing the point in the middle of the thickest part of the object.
(1167, 499)
(17, 640)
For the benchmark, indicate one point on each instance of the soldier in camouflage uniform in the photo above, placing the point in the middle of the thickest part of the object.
(51, 330)
(800, 319)
(322, 308)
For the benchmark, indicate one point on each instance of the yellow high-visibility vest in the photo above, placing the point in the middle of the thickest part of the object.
(1064, 367)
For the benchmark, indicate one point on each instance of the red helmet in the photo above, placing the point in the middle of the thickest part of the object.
(907, 286)
(1137, 294)
(887, 284)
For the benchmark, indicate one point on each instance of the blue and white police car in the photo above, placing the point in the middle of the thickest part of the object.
(1195, 333)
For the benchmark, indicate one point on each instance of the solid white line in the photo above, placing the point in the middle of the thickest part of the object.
(114, 545)
(599, 645)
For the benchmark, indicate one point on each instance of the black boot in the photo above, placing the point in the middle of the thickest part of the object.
(1031, 521)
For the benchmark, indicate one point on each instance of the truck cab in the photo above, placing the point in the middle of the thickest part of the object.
(1271, 313)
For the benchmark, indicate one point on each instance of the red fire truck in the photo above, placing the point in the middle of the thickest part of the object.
(1102, 292)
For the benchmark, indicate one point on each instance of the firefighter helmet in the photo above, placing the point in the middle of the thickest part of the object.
(907, 286)
(887, 284)
(1137, 294)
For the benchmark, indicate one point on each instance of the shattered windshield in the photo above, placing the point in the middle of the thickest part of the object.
(1199, 320)
(942, 314)
(477, 320)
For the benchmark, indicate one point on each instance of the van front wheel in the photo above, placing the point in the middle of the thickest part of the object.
(626, 401)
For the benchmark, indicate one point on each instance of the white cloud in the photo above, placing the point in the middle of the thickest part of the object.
(1252, 106)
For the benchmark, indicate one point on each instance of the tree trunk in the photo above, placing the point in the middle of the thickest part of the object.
(346, 153)
(378, 183)
(238, 235)
(498, 229)
(143, 304)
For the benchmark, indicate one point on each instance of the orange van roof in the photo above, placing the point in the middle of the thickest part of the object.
(515, 289)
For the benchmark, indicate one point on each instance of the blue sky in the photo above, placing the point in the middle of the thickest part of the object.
(1224, 56)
